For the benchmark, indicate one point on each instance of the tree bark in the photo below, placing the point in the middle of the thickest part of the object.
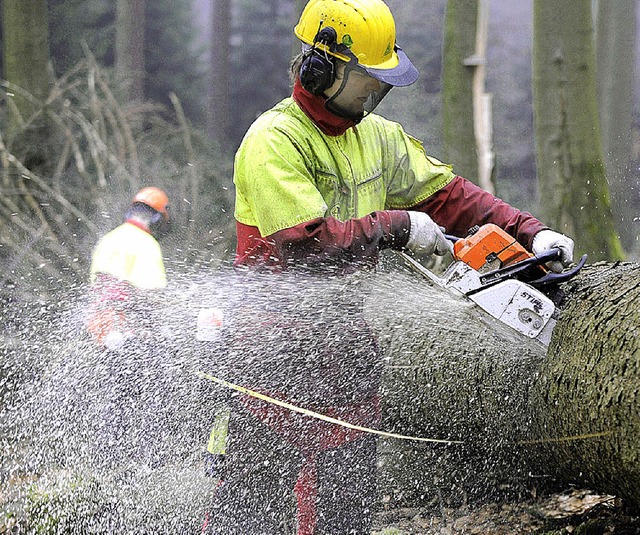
(130, 61)
(28, 130)
(459, 44)
(569, 157)
(615, 47)
(218, 118)
(25, 26)
(524, 415)
(589, 382)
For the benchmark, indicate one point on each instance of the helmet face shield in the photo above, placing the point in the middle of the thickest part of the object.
(358, 37)
(358, 94)
(375, 97)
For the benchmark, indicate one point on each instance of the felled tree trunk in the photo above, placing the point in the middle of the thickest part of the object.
(590, 383)
(569, 414)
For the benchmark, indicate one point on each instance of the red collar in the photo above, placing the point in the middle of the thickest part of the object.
(313, 106)
(141, 226)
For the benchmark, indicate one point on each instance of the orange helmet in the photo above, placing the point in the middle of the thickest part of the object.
(154, 198)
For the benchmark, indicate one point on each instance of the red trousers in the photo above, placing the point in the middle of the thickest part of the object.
(272, 451)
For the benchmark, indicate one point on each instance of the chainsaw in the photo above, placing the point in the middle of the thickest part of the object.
(504, 279)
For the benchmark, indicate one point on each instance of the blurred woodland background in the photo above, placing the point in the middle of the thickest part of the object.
(536, 100)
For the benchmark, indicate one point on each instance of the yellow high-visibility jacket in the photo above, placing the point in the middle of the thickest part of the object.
(130, 254)
(288, 172)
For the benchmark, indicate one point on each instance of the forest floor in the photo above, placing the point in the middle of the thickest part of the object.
(575, 512)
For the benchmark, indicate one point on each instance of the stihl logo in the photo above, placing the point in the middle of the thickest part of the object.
(534, 300)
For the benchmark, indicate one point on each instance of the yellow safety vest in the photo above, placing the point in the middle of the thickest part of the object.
(132, 255)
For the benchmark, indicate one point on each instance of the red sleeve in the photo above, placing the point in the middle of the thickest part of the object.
(461, 204)
(327, 241)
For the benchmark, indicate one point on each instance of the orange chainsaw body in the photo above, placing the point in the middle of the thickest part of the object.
(489, 248)
(504, 279)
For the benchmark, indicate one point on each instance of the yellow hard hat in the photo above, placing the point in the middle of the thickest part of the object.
(154, 198)
(364, 29)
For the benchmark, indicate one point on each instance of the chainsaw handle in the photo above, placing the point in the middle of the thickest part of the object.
(511, 271)
(556, 278)
(550, 255)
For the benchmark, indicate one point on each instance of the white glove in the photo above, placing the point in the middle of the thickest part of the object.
(425, 237)
(548, 239)
(115, 340)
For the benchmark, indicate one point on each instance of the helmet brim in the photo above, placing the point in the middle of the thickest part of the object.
(403, 74)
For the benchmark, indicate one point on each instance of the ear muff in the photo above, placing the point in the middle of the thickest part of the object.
(316, 73)
(156, 218)
(317, 70)
(159, 226)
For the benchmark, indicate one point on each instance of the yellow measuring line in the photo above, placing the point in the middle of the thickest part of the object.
(317, 415)
(342, 423)
(566, 439)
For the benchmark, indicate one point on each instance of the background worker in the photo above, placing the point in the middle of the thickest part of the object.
(127, 264)
(127, 274)
(323, 184)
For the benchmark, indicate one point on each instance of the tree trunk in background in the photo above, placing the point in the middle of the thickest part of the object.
(569, 157)
(25, 29)
(297, 11)
(218, 118)
(615, 53)
(525, 415)
(457, 79)
(130, 62)
(482, 102)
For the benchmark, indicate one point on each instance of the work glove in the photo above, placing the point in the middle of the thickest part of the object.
(426, 237)
(116, 340)
(548, 239)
